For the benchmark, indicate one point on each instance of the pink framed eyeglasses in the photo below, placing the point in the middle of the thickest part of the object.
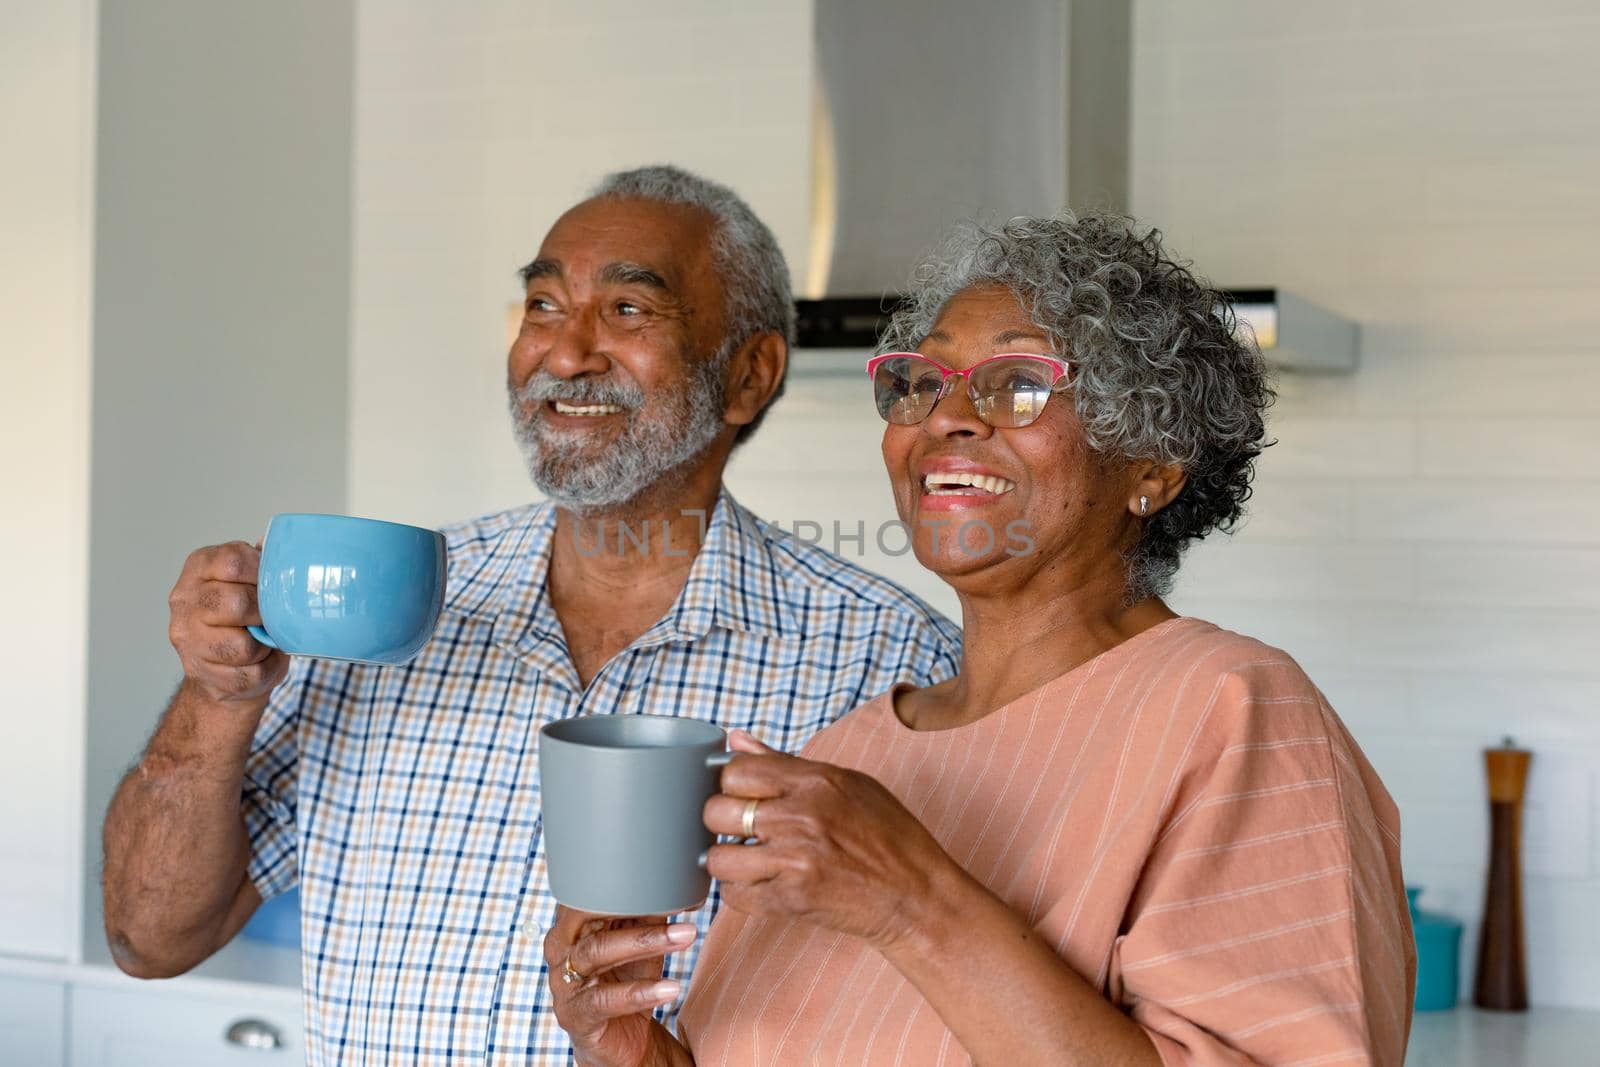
(1008, 390)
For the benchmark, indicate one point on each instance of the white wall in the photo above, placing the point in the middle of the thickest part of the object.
(1426, 537)
(47, 78)
(817, 460)
(221, 298)
(476, 126)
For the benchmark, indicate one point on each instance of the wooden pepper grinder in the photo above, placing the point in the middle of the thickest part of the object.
(1502, 980)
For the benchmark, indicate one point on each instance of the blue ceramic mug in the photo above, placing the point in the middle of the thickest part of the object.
(338, 587)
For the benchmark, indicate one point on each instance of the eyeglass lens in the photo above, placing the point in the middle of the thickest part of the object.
(1006, 393)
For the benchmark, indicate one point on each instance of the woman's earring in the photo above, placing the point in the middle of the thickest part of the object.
(1144, 505)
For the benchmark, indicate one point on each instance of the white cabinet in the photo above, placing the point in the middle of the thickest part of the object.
(159, 1025)
(32, 1012)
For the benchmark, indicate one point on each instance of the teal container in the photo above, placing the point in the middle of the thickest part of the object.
(1438, 956)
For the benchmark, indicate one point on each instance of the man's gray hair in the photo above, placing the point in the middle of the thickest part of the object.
(1158, 370)
(746, 254)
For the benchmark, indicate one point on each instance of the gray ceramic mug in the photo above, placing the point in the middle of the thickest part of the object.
(622, 797)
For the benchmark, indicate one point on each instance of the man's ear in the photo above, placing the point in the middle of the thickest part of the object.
(754, 374)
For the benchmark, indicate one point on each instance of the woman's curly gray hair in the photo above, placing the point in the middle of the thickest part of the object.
(1158, 370)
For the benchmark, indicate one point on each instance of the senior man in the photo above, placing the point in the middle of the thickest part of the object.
(405, 800)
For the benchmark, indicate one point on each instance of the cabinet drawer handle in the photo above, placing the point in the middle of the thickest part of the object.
(255, 1033)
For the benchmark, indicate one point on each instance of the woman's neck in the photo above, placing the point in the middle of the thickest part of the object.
(1014, 643)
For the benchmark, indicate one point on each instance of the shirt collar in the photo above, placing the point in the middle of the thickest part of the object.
(484, 585)
(735, 583)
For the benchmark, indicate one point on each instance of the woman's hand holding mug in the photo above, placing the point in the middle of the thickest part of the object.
(605, 981)
(832, 846)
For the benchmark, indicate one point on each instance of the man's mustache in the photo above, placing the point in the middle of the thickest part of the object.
(589, 389)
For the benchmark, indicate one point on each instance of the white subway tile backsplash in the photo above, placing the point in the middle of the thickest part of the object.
(401, 180)
(1176, 22)
(1539, 708)
(1440, 770)
(1315, 446)
(1470, 125)
(1563, 941)
(1389, 17)
(1453, 889)
(1291, 509)
(1384, 385)
(1332, 66)
(1434, 836)
(779, 99)
(1449, 639)
(1512, 254)
(1229, 73)
(1532, 448)
(459, 117)
(1512, 576)
(1370, 703)
(1252, 567)
(1556, 835)
(1494, 379)
(400, 51)
(1531, 58)
(1461, 510)
(1424, 168)
(1316, 639)
(1594, 821)
(1549, 187)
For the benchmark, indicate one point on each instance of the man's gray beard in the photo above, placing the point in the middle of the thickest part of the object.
(650, 452)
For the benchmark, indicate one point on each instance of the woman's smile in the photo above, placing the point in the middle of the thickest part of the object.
(954, 484)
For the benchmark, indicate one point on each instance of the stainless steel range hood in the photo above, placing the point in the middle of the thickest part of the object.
(1295, 334)
(928, 111)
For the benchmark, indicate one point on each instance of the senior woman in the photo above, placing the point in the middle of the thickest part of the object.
(1118, 835)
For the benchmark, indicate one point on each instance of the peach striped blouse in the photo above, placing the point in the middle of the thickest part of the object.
(1184, 817)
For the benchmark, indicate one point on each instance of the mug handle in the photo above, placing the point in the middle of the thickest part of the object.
(260, 632)
(261, 635)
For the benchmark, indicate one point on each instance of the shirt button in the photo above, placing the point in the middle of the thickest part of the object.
(533, 930)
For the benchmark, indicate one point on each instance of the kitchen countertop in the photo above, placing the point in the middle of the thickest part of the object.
(1464, 1037)
(1541, 1037)
(267, 972)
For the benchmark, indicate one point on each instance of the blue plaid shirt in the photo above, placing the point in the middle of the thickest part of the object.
(405, 800)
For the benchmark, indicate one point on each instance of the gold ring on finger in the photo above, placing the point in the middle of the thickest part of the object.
(568, 974)
(749, 825)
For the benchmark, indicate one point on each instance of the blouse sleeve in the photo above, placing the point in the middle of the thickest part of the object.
(1270, 924)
